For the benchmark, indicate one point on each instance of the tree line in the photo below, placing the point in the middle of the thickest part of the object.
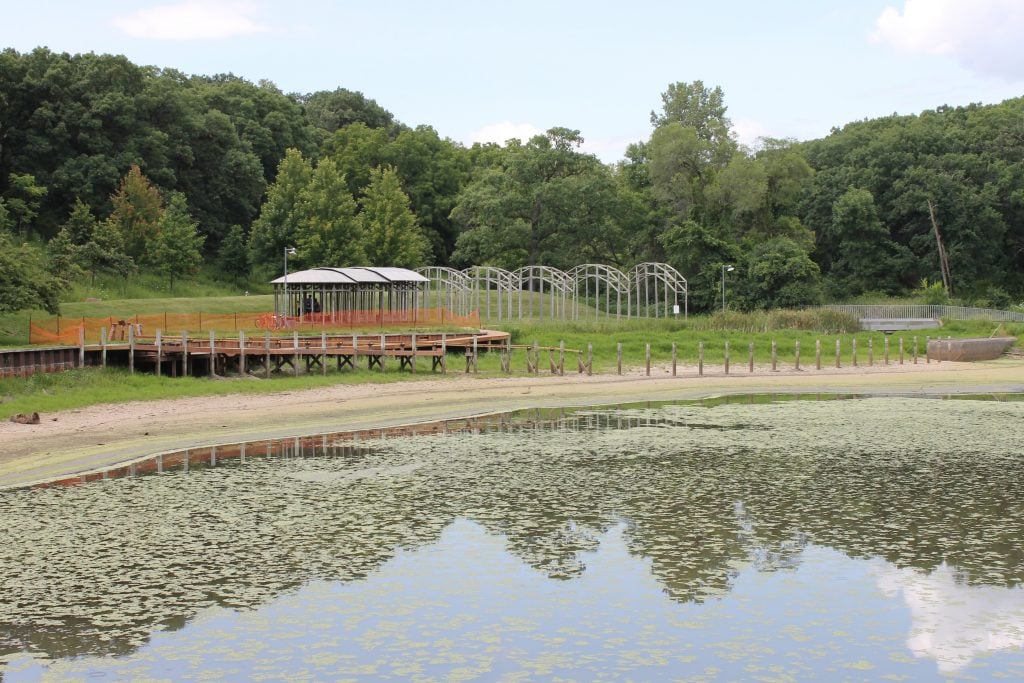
(111, 167)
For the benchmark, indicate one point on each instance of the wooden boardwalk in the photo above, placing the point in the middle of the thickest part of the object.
(209, 354)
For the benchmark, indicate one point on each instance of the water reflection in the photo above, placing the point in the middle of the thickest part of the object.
(707, 503)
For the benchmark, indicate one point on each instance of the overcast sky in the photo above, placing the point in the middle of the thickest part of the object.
(478, 70)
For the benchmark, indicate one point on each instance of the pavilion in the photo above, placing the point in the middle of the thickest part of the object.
(349, 295)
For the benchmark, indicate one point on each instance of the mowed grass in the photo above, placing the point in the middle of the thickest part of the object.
(80, 388)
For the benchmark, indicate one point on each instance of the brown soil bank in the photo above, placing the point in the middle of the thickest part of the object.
(102, 436)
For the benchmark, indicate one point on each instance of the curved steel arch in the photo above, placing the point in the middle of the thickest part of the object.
(487, 279)
(559, 288)
(448, 288)
(657, 287)
(593, 278)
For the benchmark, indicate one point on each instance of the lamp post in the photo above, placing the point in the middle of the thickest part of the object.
(288, 251)
(726, 268)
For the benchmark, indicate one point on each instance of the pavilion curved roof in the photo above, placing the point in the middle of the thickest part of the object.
(355, 275)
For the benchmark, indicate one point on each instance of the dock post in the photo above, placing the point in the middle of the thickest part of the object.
(871, 352)
(213, 356)
(355, 351)
(444, 353)
(727, 356)
(476, 357)
(674, 359)
(241, 353)
(915, 349)
(901, 350)
(647, 358)
(323, 350)
(618, 356)
(383, 346)
(561, 357)
(103, 345)
(266, 350)
(750, 357)
(590, 358)
(295, 351)
(853, 352)
(838, 351)
(159, 352)
(81, 346)
(775, 356)
(184, 353)
(817, 354)
(412, 365)
(131, 349)
(885, 350)
(796, 363)
(927, 349)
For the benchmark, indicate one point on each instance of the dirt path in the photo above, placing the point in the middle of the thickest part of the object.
(100, 436)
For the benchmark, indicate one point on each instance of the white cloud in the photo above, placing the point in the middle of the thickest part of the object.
(953, 623)
(504, 131)
(747, 132)
(192, 20)
(983, 35)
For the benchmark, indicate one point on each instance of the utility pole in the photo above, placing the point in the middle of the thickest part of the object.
(947, 278)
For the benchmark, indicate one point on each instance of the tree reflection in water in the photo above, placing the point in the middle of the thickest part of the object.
(702, 494)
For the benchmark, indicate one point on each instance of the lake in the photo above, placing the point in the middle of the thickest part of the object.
(744, 538)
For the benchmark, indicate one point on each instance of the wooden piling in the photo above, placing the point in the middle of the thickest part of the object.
(184, 353)
(81, 346)
(103, 346)
(927, 350)
(700, 359)
(673, 359)
(838, 350)
(476, 355)
(412, 364)
(817, 354)
(266, 351)
(750, 357)
(915, 349)
(295, 351)
(159, 352)
(590, 359)
(775, 356)
(727, 356)
(797, 355)
(871, 352)
(323, 351)
(444, 353)
(241, 353)
(853, 351)
(213, 355)
(901, 350)
(647, 358)
(618, 357)
(131, 349)
(383, 347)
(885, 351)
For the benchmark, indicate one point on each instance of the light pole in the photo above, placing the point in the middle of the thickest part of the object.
(726, 268)
(288, 251)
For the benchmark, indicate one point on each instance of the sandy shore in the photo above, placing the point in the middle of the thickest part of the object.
(82, 440)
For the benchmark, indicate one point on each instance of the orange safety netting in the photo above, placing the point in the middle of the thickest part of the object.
(71, 331)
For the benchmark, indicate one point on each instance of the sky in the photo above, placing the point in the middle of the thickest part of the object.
(490, 71)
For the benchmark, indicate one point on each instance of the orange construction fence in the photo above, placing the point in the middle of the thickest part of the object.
(71, 331)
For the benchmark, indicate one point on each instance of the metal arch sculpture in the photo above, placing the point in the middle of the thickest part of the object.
(595, 278)
(487, 279)
(448, 288)
(559, 287)
(649, 290)
(656, 287)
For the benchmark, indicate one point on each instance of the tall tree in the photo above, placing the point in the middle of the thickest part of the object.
(277, 226)
(392, 235)
(138, 209)
(328, 231)
(177, 249)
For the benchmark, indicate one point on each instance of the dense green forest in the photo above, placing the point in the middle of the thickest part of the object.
(111, 169)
